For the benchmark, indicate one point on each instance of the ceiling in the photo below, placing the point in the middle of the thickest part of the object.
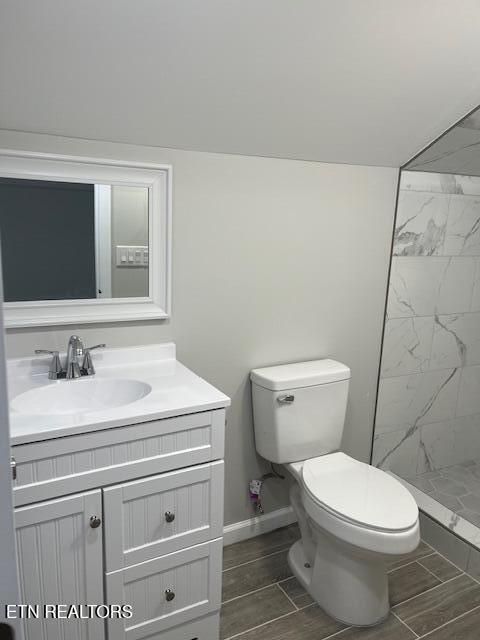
(368, 82)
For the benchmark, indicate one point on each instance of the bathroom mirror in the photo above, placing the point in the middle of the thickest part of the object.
(83, 240)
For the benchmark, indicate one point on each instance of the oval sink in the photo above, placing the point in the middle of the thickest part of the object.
(79, 396)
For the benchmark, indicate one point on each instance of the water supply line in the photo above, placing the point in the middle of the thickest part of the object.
(255, 488)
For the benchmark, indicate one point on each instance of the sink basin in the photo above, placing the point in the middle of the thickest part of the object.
(68, 397)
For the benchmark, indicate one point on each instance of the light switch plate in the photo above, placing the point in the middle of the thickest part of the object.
(131, 256)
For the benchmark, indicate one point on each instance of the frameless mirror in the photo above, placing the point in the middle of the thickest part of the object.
(83, 240)
(69, 241)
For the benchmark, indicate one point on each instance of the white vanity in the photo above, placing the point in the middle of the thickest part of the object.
(119, 495)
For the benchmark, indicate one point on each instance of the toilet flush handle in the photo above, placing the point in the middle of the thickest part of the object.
(288, 399)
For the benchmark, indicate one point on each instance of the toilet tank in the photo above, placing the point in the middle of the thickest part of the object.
(299, 409)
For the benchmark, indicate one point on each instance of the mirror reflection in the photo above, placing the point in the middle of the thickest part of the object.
(71, 241)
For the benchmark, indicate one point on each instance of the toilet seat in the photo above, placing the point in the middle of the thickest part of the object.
(359, 493)
(358, 503)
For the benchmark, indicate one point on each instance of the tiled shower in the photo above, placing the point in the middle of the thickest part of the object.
(428, 413)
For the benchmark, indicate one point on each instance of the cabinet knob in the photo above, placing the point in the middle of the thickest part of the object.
(13, 467)
(169, 516)
(169, 595)
(95, 522)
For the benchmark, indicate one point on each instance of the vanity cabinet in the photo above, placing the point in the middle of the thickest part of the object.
(60, 466)
(140, 523)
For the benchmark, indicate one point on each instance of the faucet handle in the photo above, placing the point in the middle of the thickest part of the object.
(96, 346)
(56, 370)
(87, 367)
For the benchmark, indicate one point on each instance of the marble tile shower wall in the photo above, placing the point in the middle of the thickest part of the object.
(428, 411)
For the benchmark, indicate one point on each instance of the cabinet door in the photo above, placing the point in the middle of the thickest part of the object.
(149, 518)
(60, 562)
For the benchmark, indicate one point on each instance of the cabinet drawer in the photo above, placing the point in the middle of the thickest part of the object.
(192, 575)
(148, 518)
(60, 466)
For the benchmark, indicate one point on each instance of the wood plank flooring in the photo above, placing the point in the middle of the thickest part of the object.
(431, 598)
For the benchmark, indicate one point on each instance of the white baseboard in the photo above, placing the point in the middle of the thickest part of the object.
(257, 525)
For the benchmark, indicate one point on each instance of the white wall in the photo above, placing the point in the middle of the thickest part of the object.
(273, 261)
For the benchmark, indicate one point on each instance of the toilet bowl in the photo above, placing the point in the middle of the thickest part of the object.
(354, 519)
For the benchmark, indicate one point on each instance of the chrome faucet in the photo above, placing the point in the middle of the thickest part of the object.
(76, 353)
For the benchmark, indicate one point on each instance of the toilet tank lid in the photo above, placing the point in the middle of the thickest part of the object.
(300, 374)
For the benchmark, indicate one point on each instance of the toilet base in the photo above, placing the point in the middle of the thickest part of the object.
(348, 584)
(297, 562)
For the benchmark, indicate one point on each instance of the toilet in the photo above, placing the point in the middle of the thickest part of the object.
(354, 519)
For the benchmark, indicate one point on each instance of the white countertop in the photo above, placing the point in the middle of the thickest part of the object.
(175, 391)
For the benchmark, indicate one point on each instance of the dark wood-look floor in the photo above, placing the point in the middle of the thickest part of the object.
(431, 598)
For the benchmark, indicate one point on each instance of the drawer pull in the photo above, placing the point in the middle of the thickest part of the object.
(169, 595)
(95, 522)
(169, 516)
